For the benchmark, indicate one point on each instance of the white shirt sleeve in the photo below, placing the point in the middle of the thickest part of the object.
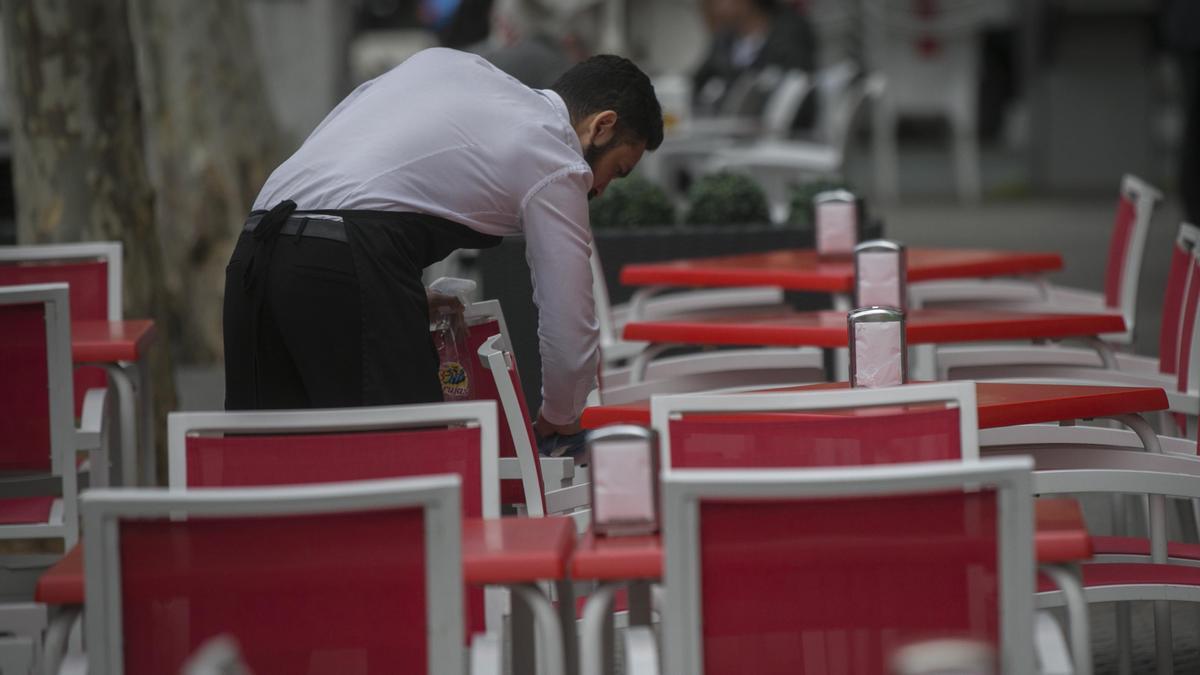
(557, 248)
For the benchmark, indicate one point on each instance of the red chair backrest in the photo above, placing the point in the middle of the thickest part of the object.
(1118, 250)
(338, 593)
(264, 460)
(886, 435)
(24, 401)
(88, 281)
(836, 585)
(1187, 326)
(1178, 281)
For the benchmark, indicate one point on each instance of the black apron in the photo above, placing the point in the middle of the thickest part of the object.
(388, 252)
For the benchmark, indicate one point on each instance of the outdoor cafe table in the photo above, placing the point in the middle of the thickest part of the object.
(513, 552)
(828, 330)
(804, 270)
(1061, 539)
(122, 348)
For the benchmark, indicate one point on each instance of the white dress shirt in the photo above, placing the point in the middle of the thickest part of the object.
(447, 134)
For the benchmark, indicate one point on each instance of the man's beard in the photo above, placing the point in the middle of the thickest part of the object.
(592, 154)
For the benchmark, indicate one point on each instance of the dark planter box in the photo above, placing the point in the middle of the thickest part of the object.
(505, 275)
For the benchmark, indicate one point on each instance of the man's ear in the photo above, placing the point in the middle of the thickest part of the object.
(603, 127)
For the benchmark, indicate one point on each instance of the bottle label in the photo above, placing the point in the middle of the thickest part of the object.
(454, 380)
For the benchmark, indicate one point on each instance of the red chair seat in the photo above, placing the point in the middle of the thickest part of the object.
(25, 510)
(1141, 546)
(1097, 575)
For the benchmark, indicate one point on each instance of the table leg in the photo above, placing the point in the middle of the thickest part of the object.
(531, 605)
(145, 384)
(564, 590)
(596, 638)
(127, 429)
(521, 637)
(922, 363)
(1066, 577)
(639, 602)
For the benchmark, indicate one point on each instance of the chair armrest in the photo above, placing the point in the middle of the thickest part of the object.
(568, 498)
(487, 657)
(925, 293)
(641, 651)
(1054, 435)
(754, 297)
(555, 470)
(89, 436)
(1052, 654)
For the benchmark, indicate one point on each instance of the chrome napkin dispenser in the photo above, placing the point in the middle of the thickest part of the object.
(624, 480)
(878, 347)
(835, 219)
(881, 274)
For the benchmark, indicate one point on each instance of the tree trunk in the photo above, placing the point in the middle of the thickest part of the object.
(78, 153)
(212, 142)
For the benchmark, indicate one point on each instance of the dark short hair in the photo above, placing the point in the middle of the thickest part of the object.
(608, 82)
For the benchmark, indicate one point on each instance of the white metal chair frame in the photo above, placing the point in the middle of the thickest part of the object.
(495, 357)
(556, 471)
(439, 495)
(959, 394)
(131, 383)
(1097, 470)
(685, 489)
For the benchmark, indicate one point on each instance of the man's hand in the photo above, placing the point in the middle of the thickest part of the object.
(438, 300)
(542, 428)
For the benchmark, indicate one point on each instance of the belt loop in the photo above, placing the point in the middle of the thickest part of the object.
(300, 229)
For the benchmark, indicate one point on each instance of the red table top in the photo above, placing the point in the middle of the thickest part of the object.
(1060, 535)
(1000, 404)
(802, 270)
(109, 341)
(828, 328)
(501, 551)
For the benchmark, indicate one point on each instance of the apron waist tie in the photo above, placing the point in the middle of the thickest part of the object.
(254, 278)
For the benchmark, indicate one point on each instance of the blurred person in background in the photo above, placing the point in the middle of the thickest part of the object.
(1181, 32)
(324, 303)
(754, 43)
(535, 41)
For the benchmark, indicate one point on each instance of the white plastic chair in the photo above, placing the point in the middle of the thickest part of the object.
(931, 61)
(779, 164)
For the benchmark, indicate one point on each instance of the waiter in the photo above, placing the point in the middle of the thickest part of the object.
(324, 304)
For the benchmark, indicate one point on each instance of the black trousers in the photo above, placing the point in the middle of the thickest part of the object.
(311, 322)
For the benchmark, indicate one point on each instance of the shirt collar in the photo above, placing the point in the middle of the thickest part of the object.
(560, 107)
